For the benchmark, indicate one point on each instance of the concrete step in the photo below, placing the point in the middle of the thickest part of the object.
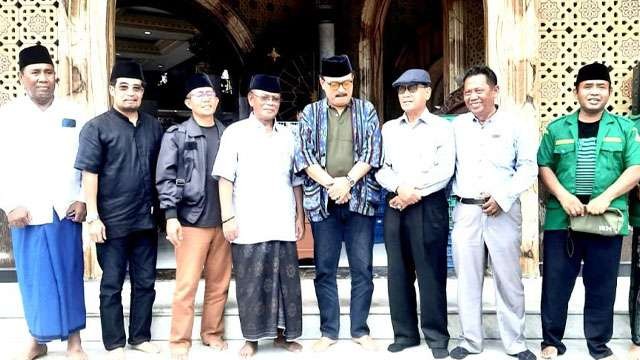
(13, 326)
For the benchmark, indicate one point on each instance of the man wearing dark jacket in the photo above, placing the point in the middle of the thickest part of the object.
(189, 196)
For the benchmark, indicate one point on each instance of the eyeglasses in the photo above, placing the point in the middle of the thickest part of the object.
(265, 98)
(125, 88)
(202, 94)
(335, 85)
(411, 88)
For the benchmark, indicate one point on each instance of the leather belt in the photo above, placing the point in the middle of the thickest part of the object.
(471, 201)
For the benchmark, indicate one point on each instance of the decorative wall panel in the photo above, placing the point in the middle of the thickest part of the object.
(574, 33)
(24, 23)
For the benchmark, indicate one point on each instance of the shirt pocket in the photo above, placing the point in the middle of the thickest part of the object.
(611, 158)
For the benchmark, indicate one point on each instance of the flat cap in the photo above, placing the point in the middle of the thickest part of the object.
(413, 76)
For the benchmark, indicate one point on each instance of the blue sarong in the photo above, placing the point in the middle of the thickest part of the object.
(49, 266)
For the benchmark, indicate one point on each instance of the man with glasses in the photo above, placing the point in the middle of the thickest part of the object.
(117, 156)
(262, 218)
(419, 159)
(338, 144)
(189, 197)
(495, 163)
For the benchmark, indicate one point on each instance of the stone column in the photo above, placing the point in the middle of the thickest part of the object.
(512, 40)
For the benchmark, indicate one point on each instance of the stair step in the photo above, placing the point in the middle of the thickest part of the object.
(14, 327)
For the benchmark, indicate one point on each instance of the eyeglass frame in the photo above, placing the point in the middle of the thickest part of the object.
(276, 99)
(401, 89)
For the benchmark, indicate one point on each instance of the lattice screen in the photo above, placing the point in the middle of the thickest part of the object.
(574, 33)
(24, 23)
(474, 44)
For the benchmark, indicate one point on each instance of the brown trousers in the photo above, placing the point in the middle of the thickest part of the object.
(201, 248)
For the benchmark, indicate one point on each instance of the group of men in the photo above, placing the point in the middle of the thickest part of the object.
(238, 197)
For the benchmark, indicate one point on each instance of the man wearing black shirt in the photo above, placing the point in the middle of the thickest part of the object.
(117, 156)
(189, 196)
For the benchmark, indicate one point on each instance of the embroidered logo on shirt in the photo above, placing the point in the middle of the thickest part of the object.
(564, 141)
(612, 139)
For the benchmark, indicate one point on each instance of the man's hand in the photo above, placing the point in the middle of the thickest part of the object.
(174, 232)
(491, 207)
(19, 217)
(77, 211)
(408, 195)
(299, 227)
(598, 205)
(344, 199)
(397, 203)
(572, 205)
(230, 230)
(97, 231)
(339, 189)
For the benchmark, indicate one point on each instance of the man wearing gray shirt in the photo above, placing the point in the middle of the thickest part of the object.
(495, 163)
(419, 159)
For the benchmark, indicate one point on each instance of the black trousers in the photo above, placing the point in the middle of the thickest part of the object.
(138, 251)
(601, 257)
(634, 289)
(416, 243)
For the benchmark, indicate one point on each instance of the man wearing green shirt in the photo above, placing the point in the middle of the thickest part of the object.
(588, 161)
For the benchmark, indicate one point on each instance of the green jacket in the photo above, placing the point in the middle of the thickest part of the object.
(617, 148)
(634, 203)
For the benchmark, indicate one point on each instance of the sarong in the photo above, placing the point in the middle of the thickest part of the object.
(49, 266)
(268, 289)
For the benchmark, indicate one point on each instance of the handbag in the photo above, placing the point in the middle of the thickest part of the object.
(608, 223)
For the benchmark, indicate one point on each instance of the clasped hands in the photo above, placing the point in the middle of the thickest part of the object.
(574, 207)
(339, 190)
(407, 196)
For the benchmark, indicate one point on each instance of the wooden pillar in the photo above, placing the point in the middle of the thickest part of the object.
(454, 54)
(86, 53)
(512, 38)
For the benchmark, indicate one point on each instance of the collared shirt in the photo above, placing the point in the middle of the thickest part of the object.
(421, 155)
(311, 149)
(496, 158)
(124, 157)
(37, 150)
(617, 148)
(339, 142)
(260, 165)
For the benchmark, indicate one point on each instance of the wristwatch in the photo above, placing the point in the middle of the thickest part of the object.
(91, 217)
(350, 180)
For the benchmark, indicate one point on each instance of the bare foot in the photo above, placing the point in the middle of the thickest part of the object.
(217, 344)
(322, 344)
(181, 353)
(549, 352)
(367, 343)
(34, 351)
(634, 352)
(74, 348)
(290, 346)
(248, 349)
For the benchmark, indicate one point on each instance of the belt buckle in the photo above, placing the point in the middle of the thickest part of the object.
(180, 182)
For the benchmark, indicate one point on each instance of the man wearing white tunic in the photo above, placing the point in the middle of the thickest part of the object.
(40, 192)
(262, 217)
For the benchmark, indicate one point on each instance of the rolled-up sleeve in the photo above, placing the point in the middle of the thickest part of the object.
(90, 150)
(226, 163)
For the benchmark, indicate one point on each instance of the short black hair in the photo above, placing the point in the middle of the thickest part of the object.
(492, 79)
